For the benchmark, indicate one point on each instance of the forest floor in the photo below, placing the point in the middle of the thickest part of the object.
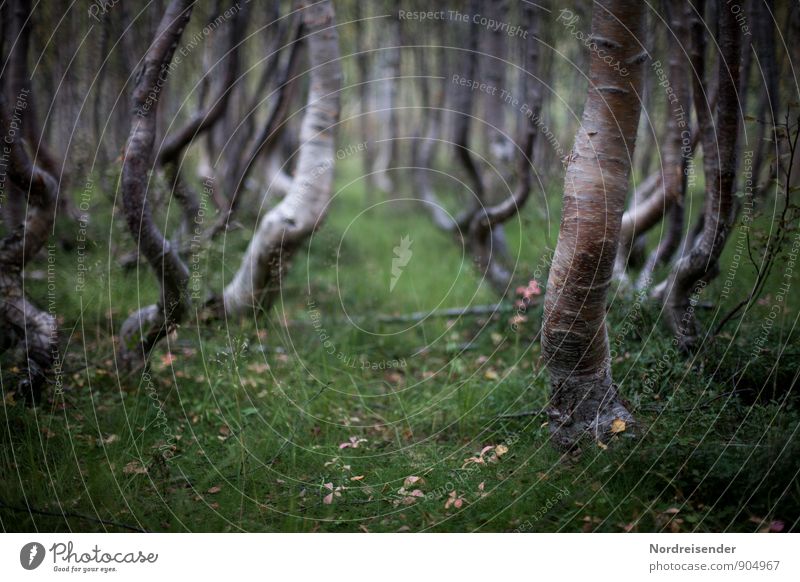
(323, 416)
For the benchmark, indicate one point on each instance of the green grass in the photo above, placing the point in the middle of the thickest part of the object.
(258, 409)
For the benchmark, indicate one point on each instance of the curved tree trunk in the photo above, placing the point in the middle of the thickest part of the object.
(669, 191)
(479, 227)
(266, 142)
(22, 322)
(287, 226)
(20, 83)
(584, 399)
(171, 153)
(142, 330)
(719, 138)
(486, 222)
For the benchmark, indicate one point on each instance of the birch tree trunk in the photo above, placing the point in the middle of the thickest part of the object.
(678, 149)
(719, 138)
(284, 228)
(501, 148)
(171, 154)
(483, 227)
(21, 321)
(649, 211)
(143, 329)
(575, 346)
(388, 65)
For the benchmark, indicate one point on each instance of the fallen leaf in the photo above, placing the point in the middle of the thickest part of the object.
(352, 443)
(617, 426)
(214, 489)
(134, 468)
(413, 479)
(112, 438)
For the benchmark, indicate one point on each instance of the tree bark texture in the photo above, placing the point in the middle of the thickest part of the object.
(584, 399)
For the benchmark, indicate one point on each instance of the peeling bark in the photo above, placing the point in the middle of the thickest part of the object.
(284, 228)
(143, 329)
(584, 399)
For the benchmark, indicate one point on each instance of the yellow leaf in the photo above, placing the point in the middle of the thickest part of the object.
(617, 426)
(490, 374)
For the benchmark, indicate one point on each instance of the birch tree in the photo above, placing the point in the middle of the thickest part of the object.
(718, 131)
(144, 328)
(584, 399)
(285, 227)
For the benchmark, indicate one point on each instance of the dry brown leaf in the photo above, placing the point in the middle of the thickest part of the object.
(134, 468)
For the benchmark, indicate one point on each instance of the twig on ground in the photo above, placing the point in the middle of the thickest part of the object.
(66, 514)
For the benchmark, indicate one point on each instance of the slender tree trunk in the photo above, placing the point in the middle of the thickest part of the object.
(479, 227)
(501, 148)
(719, 138)
(284, 228)
(584, 399)
(171, 153)
(266, 142)
(364, 93)
(388, 63)
(143, 329)
(669, 192)
(20, 82)
(488, 219)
